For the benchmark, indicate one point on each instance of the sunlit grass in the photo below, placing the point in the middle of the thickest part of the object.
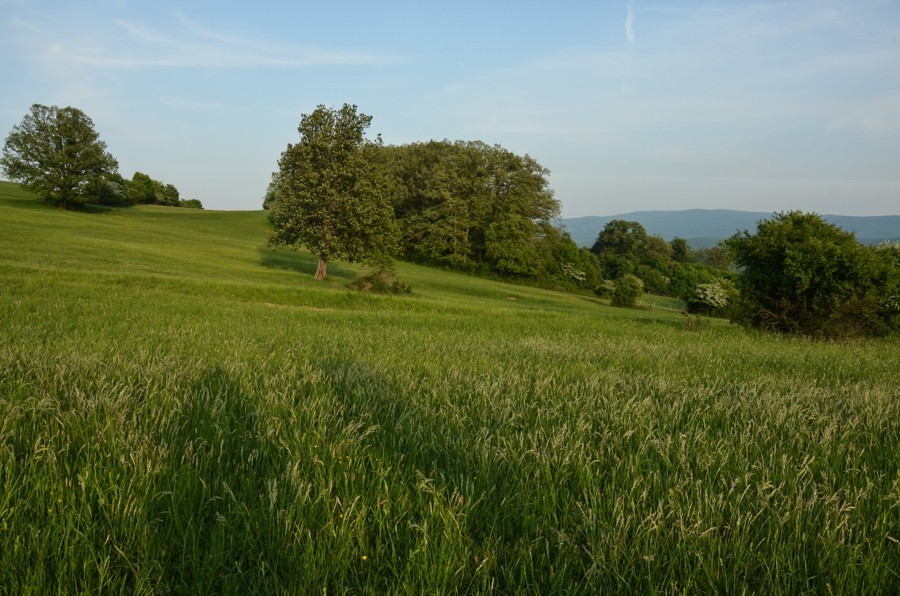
(183, 410)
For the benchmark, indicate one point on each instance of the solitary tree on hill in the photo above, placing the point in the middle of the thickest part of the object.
(331, 194)
(56, 153)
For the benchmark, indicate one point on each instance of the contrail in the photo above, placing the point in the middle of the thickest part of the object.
(629, 24)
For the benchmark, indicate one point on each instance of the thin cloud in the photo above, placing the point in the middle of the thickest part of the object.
(629, 24)
(196, 47)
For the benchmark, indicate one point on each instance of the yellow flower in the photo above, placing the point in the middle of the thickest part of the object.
(365, 558)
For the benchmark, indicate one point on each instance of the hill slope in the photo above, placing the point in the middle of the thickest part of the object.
(183, 410)
(706, 227)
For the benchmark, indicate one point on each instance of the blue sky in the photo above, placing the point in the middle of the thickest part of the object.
(632, 105)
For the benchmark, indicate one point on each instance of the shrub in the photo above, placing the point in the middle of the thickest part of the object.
(627, 290)
(800, 274)
(381, 279)
(693, 322)
(711, 298)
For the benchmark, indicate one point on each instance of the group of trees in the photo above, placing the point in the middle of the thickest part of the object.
(481, 208)
(56, 153)
(141, 190)
(477, 207)
(466, 205)
(630, 258)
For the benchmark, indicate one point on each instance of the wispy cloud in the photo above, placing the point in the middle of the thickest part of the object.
(132, 45)
(629, 23)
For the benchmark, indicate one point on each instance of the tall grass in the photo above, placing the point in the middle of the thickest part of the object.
(182, 410)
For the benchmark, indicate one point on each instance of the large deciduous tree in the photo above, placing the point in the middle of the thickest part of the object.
(56, 153)
(332, 195)
(473, 206)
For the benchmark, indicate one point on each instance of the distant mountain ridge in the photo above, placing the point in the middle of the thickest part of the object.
(703, 228)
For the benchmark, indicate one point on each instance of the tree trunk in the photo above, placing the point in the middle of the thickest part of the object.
(322, 269)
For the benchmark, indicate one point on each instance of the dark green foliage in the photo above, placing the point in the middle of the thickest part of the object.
(624, 247)
(686, 277)
(190, 203)
(627, 290)
(716, 257)
(681, 252)
(473, 207)
(168, 195)
(665, 268)
(381, 278)
(269, 197)
(331, 195)
(114, 191)
(56, 153)
(142, 189)
(567, 264)
(620, 237)
(800, 274)
(145, 190)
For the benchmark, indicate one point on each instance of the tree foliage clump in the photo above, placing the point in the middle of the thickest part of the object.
(331, 195)
(713, 298)
(800, 274)
(625, 247)
(626, 290)
(56, 153)
(476, 207)
(142, 190)
(665, 268)
(381, 278)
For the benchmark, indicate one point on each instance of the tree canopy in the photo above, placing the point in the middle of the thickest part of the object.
(56, 153)
(801, 274)
(331, 194)
(478, 207)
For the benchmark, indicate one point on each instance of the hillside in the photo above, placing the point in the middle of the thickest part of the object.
(703, 228)
(183, 410)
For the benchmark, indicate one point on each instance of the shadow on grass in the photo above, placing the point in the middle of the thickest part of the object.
(301, 262)
(210, 521)
(432, 449)
(97, 209)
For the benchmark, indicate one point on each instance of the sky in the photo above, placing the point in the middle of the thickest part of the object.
(632, 105)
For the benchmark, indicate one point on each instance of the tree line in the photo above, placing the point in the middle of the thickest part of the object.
(57, 154)
(466, 206)
(480, 208)
(463, 205)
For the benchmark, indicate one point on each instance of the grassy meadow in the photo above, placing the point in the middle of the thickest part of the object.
(183, 410)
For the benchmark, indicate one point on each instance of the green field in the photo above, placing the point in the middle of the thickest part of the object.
(184, 410)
